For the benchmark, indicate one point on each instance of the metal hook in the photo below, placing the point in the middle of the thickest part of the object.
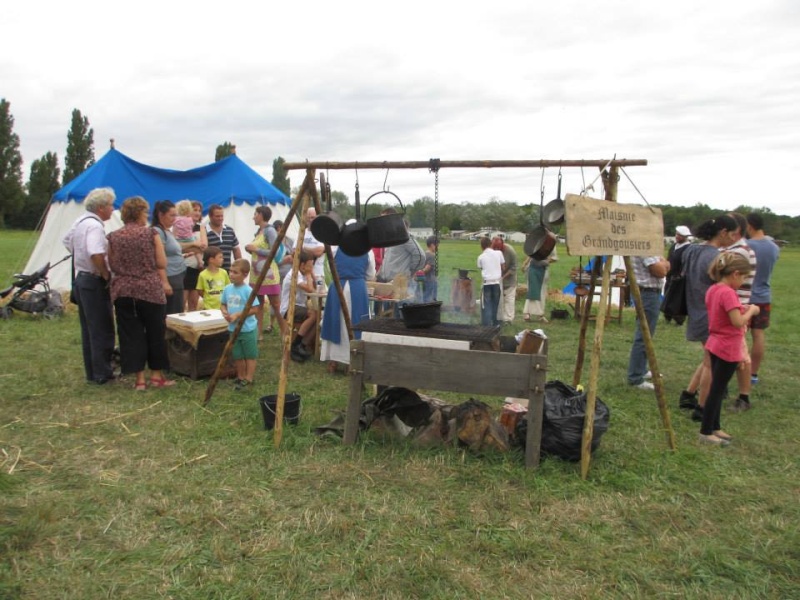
(385, 180)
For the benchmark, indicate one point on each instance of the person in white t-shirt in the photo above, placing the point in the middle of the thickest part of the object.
(490, 262)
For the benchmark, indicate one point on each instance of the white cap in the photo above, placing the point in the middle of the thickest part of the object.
(683, 230)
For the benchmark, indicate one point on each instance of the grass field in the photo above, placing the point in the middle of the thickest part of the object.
(122, 495)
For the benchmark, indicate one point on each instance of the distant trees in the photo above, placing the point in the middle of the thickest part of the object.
(224, 150)
(279, 178)
(12, 193)
(42, 184)
(80, 147)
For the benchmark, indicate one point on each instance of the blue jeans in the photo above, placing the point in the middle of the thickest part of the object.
(490, 304)
(637, 365)
(97, 326)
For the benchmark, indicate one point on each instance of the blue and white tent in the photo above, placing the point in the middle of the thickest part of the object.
(230, 182)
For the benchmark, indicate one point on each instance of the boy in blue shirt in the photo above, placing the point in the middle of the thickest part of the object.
(232, 302)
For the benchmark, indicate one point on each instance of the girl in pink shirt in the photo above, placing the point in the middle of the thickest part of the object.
(727, 319)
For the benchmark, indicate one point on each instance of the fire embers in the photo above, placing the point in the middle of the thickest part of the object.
(401, 413)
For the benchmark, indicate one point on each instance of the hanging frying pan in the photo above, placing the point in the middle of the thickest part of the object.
(327, 227)
(539, 243)
(355, 239)
(553, 213)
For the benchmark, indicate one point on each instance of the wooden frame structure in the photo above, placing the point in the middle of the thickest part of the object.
(610, 175)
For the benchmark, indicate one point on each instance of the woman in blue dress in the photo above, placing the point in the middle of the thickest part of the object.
(354, 271)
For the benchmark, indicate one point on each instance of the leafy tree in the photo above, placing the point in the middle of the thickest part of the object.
(43, 183)
(279, 178)
(12, 193)
(224, 150)
(80, 147)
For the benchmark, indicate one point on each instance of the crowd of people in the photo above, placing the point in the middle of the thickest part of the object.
(726, 277)
(166, 261)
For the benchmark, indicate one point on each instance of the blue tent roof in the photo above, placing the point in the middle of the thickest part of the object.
(226, 181)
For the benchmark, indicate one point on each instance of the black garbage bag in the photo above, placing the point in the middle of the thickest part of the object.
(562, 426)
(396, 401)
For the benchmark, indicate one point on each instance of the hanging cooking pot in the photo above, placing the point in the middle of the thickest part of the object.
(540, 241)
(355, 239)
(553, 213)
(327, 227)
(386, 230)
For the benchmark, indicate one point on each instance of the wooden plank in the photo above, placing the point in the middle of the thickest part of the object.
(353, 413)
(533, 440)
(409, 340)
(476, 372)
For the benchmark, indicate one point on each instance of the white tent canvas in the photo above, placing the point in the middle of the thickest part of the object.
(229, 182)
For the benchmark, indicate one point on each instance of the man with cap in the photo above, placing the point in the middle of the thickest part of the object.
(683, 239)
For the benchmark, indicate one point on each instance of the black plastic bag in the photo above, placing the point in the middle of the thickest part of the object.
(562, 426)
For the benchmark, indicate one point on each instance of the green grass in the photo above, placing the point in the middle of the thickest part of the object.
(124, 495)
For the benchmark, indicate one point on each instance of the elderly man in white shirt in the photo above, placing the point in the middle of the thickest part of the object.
(86, 241)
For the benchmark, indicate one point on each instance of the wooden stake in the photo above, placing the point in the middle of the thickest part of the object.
(594, 370)
(651, 355)
(280, 403)
(226, 351)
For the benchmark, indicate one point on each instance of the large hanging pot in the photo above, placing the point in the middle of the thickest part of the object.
(539, 243)
(355, 238)
(386, 230)
(553, 212)
(327, 227)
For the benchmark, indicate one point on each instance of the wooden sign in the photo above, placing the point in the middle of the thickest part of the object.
(601, 228)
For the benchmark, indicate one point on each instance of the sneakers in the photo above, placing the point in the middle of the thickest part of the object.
(687, 401)
(753, 379)
(240, 384)
(740, 405)
(645, 385)
(713, 439)
(648, 375)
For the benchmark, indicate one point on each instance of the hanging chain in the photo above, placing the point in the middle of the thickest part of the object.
(434, 168)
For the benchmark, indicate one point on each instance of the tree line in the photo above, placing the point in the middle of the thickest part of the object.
(509, 216)
(22, 205)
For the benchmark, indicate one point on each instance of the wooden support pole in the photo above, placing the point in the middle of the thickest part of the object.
(651, 355)
(585, 315)
(594, 370)
(337, 283)
(286, 348)
(466, 164)
(223, 360)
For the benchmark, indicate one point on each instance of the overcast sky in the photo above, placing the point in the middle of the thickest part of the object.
(707, 92)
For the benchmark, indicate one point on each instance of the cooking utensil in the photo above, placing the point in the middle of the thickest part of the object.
(554, 211)
(539, 243)
(386, 230)
(354, 240)
(327, 227)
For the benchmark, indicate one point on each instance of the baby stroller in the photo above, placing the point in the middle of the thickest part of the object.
(32, 294)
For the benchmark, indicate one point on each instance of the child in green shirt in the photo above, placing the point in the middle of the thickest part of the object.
(213, 279)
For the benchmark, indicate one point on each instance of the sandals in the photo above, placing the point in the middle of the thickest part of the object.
(140, 387)
(160, 383)
(526, 317)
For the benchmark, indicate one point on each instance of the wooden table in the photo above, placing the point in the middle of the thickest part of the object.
(469, 371)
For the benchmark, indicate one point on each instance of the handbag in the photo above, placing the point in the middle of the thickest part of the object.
(674, 303)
